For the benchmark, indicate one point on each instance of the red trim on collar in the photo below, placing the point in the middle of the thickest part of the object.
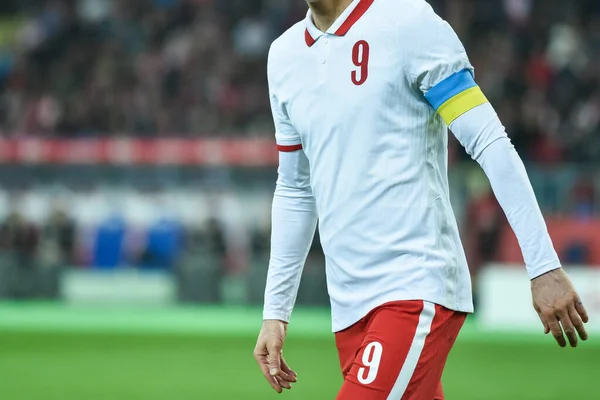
(309, 39)
(354, 16)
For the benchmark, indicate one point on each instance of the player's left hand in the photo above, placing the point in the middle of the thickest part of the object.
(559, 307)
(268, 354)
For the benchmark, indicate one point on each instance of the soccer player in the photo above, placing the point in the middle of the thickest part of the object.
(363, 93)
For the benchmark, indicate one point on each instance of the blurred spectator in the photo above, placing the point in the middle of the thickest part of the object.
(576, 253)
(215, 242)
(18, 244)
(57, 245)
(185, 67)
(19, 237)
(207, 239)
(583, 199)
(260, 240)
(485, 221)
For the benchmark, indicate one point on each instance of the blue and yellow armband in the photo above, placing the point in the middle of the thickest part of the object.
(456, 95)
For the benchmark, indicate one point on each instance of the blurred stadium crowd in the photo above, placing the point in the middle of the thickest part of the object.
(197, 68)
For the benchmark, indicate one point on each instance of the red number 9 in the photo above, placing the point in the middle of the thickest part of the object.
(360, 58)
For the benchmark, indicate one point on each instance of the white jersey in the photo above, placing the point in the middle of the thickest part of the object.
(368, 103)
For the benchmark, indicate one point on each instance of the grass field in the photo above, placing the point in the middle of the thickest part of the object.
(53, 352)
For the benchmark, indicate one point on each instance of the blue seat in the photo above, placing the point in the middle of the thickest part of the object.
(108, 249)
(164, 241)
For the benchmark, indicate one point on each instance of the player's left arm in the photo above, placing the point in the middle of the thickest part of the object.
(439, 68)
(554, 298)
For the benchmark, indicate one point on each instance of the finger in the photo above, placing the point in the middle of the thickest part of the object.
(577, 323)
(288, 371)
(283, 383)
(546, 327)
(557, 332)
(271, 379)
(285, 367)
(264, 367)
(582, 311)
(274, 359)
(287, 377)
(568, 327)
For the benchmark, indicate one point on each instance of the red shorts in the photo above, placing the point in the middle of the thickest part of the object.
(397, 352)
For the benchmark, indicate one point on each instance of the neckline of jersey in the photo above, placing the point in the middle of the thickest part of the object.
(342, 24)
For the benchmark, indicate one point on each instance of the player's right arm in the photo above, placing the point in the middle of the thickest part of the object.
(293, 224)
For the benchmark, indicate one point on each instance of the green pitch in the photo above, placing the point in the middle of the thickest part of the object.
(50, 352)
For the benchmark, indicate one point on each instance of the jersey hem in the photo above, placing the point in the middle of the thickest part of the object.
(361, 312)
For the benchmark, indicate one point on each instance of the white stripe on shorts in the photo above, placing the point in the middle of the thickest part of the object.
(412, 358)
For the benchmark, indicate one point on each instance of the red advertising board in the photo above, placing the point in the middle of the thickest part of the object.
(232, 152)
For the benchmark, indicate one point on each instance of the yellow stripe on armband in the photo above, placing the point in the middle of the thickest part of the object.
(461, 103)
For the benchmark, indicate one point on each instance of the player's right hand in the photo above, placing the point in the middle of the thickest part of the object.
(269, 356)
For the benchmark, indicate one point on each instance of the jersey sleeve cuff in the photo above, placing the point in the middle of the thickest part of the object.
(289, 148)
(277, 315)
(286, 143)
(538, 271)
